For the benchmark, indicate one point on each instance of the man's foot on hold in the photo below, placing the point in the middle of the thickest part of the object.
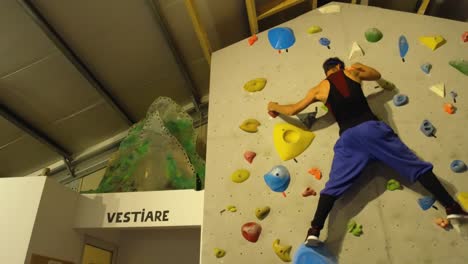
(456, 212)
(312, 239)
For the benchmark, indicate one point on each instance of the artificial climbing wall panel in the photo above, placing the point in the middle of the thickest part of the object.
(395, 229)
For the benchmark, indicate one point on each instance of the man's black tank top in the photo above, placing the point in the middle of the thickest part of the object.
(347, 102)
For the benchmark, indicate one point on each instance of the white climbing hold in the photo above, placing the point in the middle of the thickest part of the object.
(438, 89)
(330, 9)
(356, 50)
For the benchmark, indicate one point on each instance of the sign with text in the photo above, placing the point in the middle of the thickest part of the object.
(140, 209)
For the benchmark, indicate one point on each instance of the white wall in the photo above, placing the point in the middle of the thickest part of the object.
(19, 202)
(54, 234)
(171, 246)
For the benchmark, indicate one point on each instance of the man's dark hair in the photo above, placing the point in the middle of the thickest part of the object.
(332, 62)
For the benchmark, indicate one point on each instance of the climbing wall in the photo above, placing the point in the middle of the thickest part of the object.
(395, 228)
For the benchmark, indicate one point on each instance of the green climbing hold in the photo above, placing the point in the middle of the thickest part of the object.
(373, 35)
(219, 253)
(393, 185)
(460, 65)
(354, 228)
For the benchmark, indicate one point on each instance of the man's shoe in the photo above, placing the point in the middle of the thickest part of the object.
(312, 239)
(456, 212)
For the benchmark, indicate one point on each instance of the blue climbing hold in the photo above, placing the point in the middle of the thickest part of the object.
(278, 178)
(426, 202)
(281, 38)
(316, 255)
(324, 42)
(400, 99)
(403, 45)
(427, 128)
(426, 68)
(458, 166)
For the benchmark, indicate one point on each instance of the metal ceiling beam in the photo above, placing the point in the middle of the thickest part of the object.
(34, 132)
(61, 44)
(196, 98)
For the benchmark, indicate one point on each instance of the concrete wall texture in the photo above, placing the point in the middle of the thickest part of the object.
(396, 230)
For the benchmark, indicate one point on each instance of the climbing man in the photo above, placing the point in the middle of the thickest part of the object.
(362, 138)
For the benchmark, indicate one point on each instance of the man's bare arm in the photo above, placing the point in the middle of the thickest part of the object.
(293, 109)
(364, 73)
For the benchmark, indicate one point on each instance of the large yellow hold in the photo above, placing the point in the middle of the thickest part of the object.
(432, 42)
(291, 141)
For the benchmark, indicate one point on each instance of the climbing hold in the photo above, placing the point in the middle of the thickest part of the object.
(308, 192)
(252, 40)
(465, 36)
(250, 125)
(314, 29)
(231, 208)
(356, 51)
(315, 172)
(251, 231)
(354, 228)
(281, 38)
(454, 95)
(273, 114)
(393, 185)
(426, 68)
(400, 99)
(442, 222)
(438, 89)
(403, 46)
(458, 166)
(282, 251)
(426, 202)
(278, 178)
(373, 35)
(255, 85)
(460, 65)
(325, 42)
(249, 156)
(219, 253)
(432, 42)
(449, 108)
(330, 9)
(462, 198)
(290, 141)
(240, 175)
(262, 212)
(427, 128)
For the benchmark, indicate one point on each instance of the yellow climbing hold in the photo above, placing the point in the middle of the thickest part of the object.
(250, 125)
(290, 141)
(219, 253)
(438, 89)
(231, 208)
(463, 199)
(240, 175)
(282, 251)
(432, 42)
(262, 212)
(255, 85)
(314, 29)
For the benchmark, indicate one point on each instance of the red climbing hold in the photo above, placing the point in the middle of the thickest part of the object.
(249, 156)
(308, 192)
(251, 231)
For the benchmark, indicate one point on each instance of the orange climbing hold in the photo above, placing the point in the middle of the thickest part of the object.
(444, 223)
(316, 173)
(252, 39)
(449, 108)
